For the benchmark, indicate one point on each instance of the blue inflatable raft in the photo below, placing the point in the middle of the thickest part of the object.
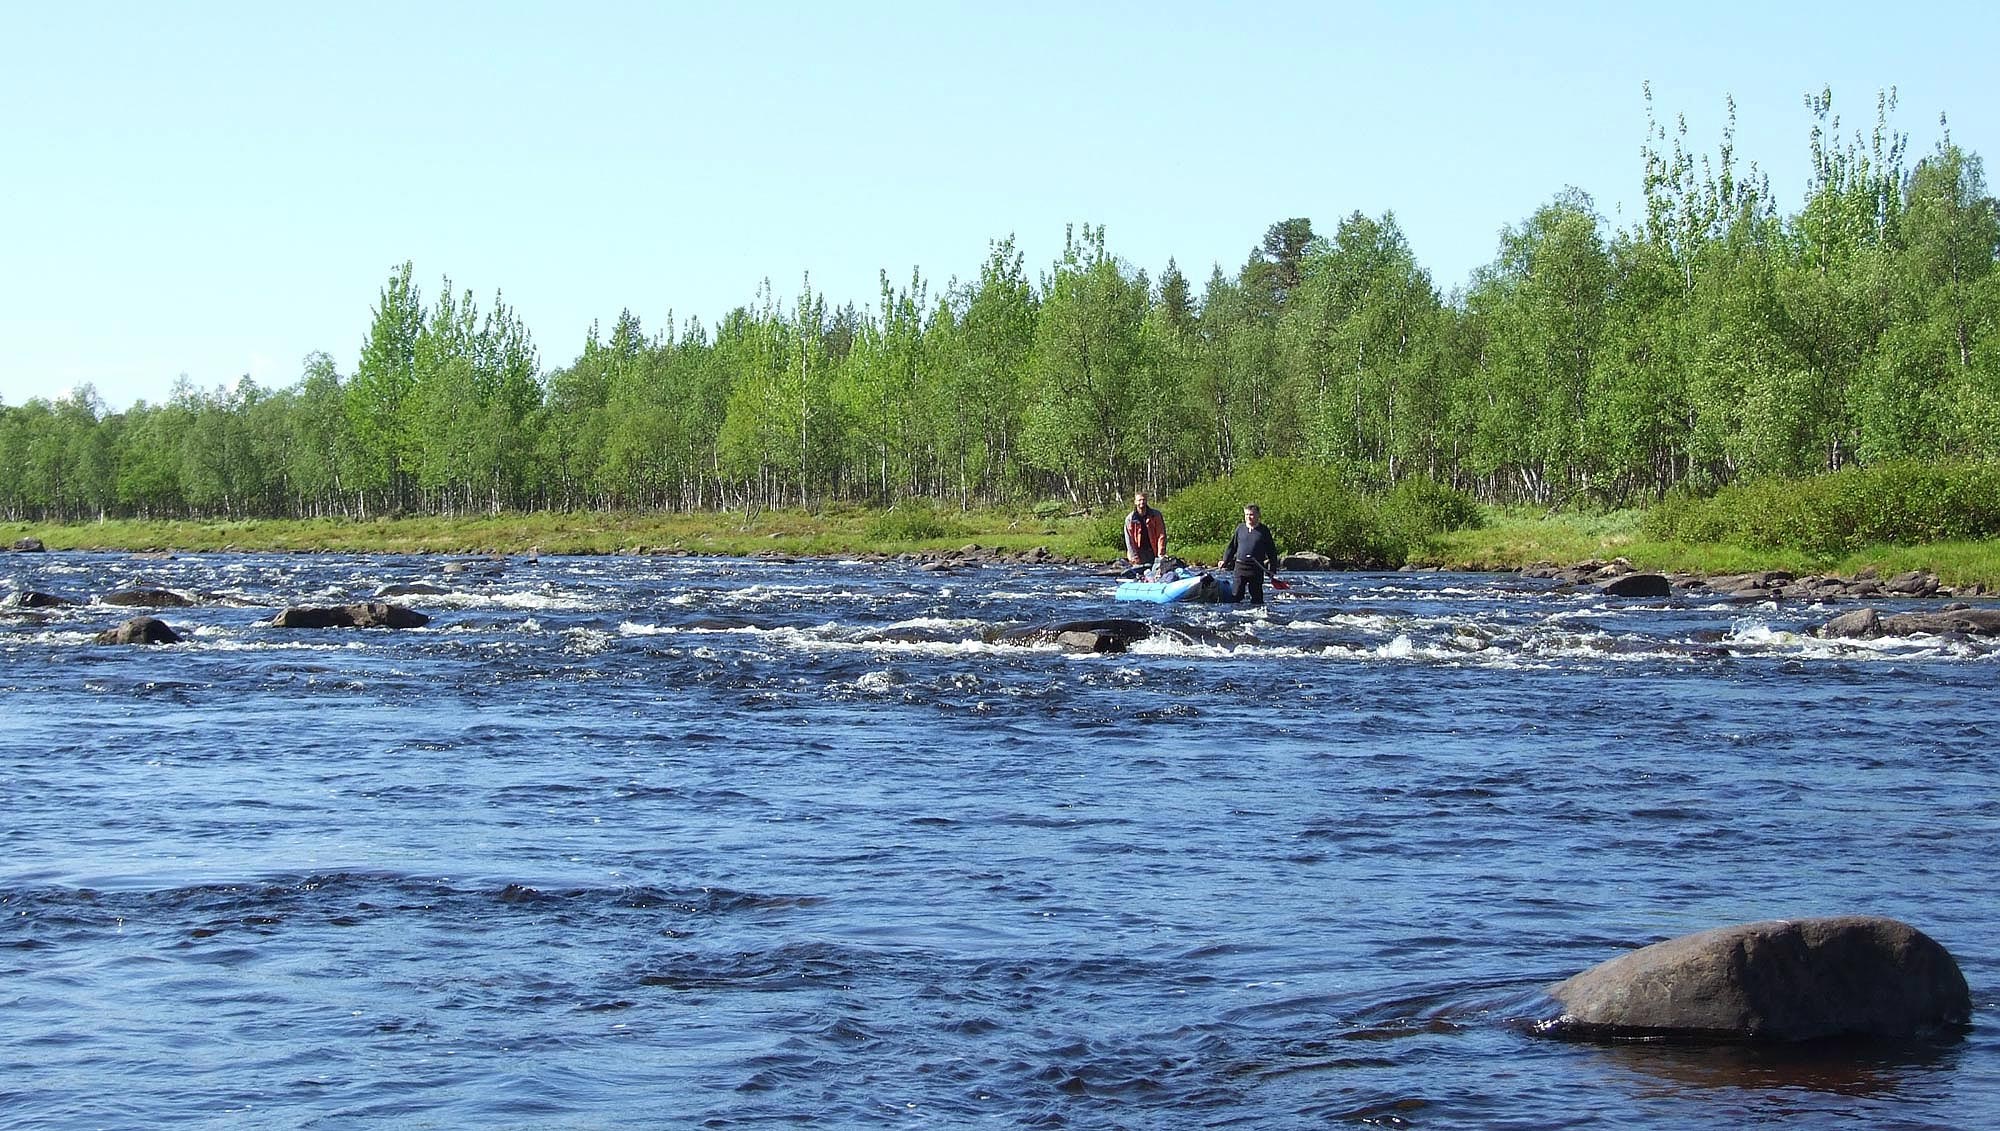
(1180, 585)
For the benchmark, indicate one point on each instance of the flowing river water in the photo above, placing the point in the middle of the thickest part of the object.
(665, 842)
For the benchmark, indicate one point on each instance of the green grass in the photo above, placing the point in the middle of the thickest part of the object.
(835, 531)
(1514, 539)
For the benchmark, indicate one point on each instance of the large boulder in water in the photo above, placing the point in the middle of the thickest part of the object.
(1783, 980)
(1856, 624)
(367, 614)
(140, 630)
(1638, 585)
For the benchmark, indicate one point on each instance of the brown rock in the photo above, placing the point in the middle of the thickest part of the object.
(140, 630)
(1783, 980)
(1861, 624)
(368, 614)
(1971, 622)
(35, 599)
(148, 598)
(1638, 585)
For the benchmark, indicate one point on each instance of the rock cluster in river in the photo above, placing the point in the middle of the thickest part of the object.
(366, 614)
(1782, 980)
(1762, 585)
(1867, 624)
(146, 598)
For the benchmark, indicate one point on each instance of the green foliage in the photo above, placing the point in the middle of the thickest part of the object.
(1829, 515)
(1714, 341)
(915, 520)
(1316, 507)
(1416, 511)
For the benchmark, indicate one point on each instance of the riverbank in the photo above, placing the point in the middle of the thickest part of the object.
(729, 534)
(1517, 541)
(1506, 542)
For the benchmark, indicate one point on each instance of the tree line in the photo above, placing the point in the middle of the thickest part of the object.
(1716, 339)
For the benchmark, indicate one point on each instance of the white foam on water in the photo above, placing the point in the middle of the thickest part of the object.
(523, 600)
(586, 641)
(1401, 648)
(276, 642)
(877, 682)
(935, 623)
(918, 647)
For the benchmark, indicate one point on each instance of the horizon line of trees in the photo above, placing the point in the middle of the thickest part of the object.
(1715, 340)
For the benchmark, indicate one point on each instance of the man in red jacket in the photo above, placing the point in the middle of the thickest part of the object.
(1145, 533)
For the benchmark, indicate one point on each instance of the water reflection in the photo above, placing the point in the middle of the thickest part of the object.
(1845, 1068)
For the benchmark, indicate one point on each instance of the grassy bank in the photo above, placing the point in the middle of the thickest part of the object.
(1511, 540)
(1508, 540)
(781, 531)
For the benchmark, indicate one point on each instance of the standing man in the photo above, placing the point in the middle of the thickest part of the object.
(1145, 533)
(1253, 553)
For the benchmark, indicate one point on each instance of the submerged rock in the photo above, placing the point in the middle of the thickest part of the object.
(140, 630)
(410, 589)
(1782, 980)
(368, 614)
(148, 598)
(36, 599)
(1115, 635)
(1080, 641)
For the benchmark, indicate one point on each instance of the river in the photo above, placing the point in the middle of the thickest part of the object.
(652, 841)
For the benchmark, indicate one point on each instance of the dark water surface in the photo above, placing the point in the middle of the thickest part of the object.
(676, 842)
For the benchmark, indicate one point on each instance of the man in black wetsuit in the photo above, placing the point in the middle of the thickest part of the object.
(1253, 553)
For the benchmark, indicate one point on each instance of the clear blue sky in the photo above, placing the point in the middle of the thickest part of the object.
(214, 190)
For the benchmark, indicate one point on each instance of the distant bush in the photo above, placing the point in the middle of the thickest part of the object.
(1829, 515)
(1310, 507)
(914, 520)
(1418, 510)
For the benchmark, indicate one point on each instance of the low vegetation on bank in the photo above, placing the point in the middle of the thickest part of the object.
(1893, 519)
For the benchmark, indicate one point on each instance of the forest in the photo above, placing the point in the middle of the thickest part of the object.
(1717, 339)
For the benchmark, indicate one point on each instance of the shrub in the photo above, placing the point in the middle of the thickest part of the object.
(1829, 515)
(1418, 510)
(914, 520)
(1308, 506)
